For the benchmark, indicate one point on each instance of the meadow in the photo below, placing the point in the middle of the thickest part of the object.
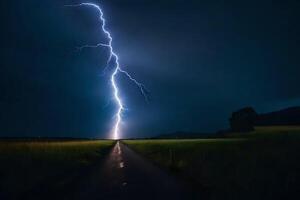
(30, 165)
(263, 164)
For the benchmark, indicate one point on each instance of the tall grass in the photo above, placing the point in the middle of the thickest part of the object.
(253, 167)
(75, 151)
(24, 165)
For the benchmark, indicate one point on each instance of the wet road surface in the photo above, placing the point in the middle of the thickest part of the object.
(126, 175)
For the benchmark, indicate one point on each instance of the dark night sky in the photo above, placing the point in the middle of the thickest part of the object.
(201, 60)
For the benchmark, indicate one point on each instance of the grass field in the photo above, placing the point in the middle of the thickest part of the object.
(264, 164)
(24, 165)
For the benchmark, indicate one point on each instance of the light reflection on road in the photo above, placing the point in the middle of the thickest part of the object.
(118, 148)
(118, 158)
(126, 175)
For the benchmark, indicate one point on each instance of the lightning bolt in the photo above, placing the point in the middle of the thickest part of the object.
(113, 57)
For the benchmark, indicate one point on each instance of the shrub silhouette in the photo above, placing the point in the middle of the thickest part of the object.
(243, 120)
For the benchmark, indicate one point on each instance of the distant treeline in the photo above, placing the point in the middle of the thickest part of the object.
(45, 139)
(244, 120)
(183, 135)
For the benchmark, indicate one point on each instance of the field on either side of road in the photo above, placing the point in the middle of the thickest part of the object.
(263, 165)
(27, 165)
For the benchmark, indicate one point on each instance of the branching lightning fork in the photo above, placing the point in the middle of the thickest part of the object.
(117, 69)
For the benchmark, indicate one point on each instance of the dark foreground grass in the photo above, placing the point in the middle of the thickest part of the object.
(263, 165)
(27, 165)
